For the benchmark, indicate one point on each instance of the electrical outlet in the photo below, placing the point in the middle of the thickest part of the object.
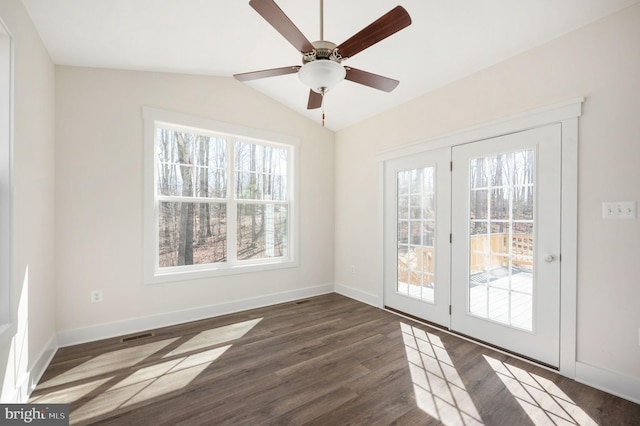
(96, 296)
(619, 210)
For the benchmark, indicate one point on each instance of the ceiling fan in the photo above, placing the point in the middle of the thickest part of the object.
(321, 67)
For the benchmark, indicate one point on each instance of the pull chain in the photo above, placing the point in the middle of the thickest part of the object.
(322, 109)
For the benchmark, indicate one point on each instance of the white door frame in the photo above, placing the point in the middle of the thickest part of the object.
(566, 113)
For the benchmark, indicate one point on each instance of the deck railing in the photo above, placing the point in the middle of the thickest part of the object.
(418, 265)
(496, 248)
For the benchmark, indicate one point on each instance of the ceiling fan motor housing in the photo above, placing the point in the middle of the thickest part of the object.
(322, 50)
(322, 70)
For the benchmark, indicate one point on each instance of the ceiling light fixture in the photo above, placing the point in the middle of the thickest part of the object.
(322, 75)
(321, 68)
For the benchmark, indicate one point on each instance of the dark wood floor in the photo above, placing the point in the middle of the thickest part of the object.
(328, 360)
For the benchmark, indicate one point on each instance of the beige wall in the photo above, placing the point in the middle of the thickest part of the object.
(31, 335)
(99, 193)
(600, 62)
(90, 204)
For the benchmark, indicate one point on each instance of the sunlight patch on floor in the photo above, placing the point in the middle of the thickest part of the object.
(543, 401)
(148, 383)
(438, 389)
(138, 374)
(69, 394)
(215, 336)
(107, 362)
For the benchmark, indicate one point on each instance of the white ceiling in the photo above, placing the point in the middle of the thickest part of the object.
(448, 40)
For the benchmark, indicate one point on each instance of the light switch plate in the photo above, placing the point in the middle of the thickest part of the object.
(619, 210)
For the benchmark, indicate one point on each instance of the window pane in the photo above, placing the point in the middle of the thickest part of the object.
(429, 233)
(477, 228)
(429, 206)
(416, 233)
(191, 233)
(416, 206)
(190, 165)
(478, 202)
(499, 204)
(261, 172)
(403, 208)
(262, 231)
(500, 169)
(501, 237)
(499, 305)
(479, 173)
(403, 182)
(523, 202)
(403, 232)
(522, 305)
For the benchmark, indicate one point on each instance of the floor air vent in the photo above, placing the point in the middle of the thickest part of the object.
(136, 337)
(300, 302)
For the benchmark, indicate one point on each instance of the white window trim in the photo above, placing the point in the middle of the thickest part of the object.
(152, 275)
(6, 171)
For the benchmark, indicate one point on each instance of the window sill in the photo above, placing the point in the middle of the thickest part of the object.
(186, 275)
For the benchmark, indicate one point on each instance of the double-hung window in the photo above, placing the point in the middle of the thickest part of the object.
(220, 198)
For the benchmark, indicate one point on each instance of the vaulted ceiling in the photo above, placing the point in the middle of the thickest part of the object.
(447, 40)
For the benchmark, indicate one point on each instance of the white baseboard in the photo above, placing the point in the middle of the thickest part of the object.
(26, 384)
(135, 325)
(359, 295)
(41, 364)
(614, 383)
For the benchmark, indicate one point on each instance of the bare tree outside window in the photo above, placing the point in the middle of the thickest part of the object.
(192, 189)
(220, 199)
(193, 198)
(261, 191)
(501, 238)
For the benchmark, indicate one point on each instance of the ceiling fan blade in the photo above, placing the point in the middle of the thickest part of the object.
(273, 72)
(315, 100)
(388, 24)
(372, 80)
(272, 13)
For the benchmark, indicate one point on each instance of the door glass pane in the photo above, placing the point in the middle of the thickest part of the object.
(501, 238)
(416, 233)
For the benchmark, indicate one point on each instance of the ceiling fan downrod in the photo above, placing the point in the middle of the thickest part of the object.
(321, 19)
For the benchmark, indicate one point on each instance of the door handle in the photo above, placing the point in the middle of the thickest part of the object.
(549, 258)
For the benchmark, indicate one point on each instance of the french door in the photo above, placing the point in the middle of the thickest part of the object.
(506, 242)
(417, 226)
(496, 246)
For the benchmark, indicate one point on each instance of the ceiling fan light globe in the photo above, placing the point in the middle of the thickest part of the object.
(322, 75)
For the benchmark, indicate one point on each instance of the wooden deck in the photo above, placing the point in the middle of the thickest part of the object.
(490, 297)
(507, 300)
(327, 360)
